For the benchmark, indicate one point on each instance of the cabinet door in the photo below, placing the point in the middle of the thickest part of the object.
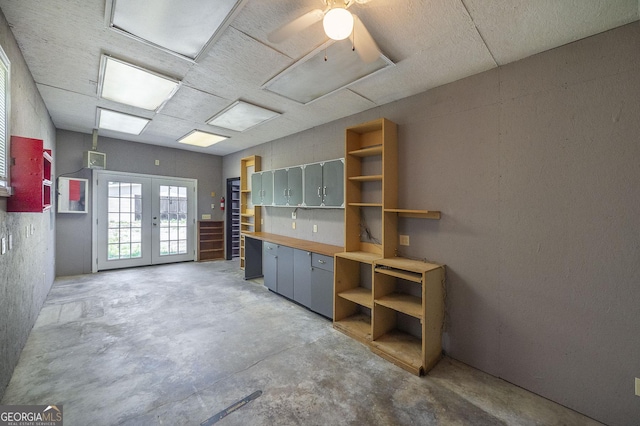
(295, 186)
(267, 188)
(270, 265)
(302, 277)
(280, 187)
(313, 185)
(322, 292)
(256, 189)
(333, 183)
(285, 271)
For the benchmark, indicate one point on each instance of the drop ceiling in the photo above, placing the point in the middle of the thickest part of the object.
(431, 43)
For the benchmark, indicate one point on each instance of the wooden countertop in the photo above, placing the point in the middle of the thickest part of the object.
(306, 245)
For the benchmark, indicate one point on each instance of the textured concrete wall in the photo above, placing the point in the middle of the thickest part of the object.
(535, 166)
(27, 270)
(74, 254)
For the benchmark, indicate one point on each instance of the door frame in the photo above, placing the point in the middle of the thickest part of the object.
(94, 204)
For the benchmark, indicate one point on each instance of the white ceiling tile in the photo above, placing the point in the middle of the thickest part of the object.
(519, 28)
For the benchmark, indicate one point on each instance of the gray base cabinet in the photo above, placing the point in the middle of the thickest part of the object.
(322, 285)
(300, 275)
(285, 271)
(270, 265)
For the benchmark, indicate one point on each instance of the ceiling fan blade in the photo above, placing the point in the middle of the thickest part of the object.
(363, 43)
(295, 26)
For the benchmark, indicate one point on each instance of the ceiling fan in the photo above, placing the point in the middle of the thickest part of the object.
(338, 24)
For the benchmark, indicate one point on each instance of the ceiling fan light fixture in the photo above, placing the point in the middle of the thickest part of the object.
(338, 23)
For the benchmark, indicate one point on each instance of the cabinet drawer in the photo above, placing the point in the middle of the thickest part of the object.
(322, 262)
(270, 248)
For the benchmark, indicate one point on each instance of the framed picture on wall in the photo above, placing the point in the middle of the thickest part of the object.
(72, 195)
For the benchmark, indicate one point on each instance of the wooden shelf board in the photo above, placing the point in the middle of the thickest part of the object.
(357, 327)
(247, 214)
(419, 214)
(366, 204)
(360, 256)
(367, 152)
(400, 348)
(247, 223)
(411, 265)
(405, 275)
(367, 178)
(360, 295)
(405, 303)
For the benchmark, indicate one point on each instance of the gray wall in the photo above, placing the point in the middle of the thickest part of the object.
(26, 271)
(535, 167)
(73, 233)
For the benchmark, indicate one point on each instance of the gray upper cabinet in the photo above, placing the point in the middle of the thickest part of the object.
(287, 185)
(309, 185)
(313, 185)
(333, 183)
(324, 184)
(262, 188)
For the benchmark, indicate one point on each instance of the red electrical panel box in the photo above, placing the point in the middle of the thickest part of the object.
(30, 176)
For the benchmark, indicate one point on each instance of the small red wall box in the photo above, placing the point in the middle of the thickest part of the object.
(30, 176)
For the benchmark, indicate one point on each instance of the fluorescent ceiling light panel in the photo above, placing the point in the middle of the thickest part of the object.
(185, 27)
(135, 86)
(312, 77)
(119, 122)
(202, 139)
(241, 116)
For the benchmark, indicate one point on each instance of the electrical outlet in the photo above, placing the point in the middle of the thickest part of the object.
(293, 225)
(213, 206)
(315, 228)
(404, 240)
(33, 229)
(637, 386)
(294, 215)
(261, 221)
(157, 162)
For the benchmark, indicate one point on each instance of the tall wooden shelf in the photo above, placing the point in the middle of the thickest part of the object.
(210, 240)
(393, 305)
(250, 216)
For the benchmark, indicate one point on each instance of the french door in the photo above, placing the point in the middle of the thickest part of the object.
(142, 220)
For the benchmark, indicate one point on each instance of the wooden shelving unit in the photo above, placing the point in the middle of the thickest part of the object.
(393, 305)
(249, 215)
(210, 240)
(415, 290)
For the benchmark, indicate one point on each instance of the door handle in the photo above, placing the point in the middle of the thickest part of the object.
(321, 262)
(319, 188)
(324, 191)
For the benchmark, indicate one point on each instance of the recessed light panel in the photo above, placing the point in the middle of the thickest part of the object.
(185, 27)
(313, 77)
(135, 86)
(202, 139)
(119, 122)
(241, 116)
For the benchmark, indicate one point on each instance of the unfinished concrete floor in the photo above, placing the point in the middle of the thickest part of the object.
(176, 344)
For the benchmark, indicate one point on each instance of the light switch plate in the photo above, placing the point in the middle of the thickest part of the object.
(10, 241)
(293, 225)
(404, 240)
(4, 245)
(315, 228)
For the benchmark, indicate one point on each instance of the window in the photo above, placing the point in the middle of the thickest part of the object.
(5, 106)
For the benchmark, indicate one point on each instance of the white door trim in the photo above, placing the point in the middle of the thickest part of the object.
(96, 175)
